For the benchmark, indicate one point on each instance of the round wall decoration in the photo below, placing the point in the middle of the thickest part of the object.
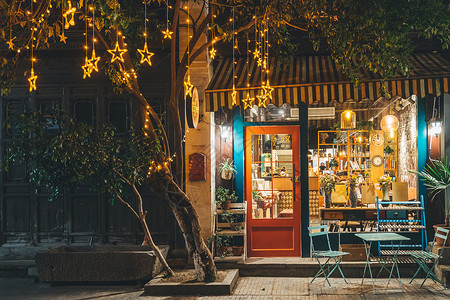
(377, 139)
(377, 161)
(192, 109)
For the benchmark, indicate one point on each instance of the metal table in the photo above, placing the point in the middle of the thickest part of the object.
(369, 238)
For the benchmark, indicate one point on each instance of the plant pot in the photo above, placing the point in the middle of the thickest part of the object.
(327, 199)
(236, 226)
(440, 241)
(226, 174)
(238, 250)
(226, 205)
(222, 251)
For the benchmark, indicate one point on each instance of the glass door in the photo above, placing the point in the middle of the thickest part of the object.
(272, 162)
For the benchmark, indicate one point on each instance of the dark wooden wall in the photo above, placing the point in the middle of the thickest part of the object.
(27, 217)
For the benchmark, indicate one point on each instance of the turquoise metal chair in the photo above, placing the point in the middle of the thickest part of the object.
(335, 257)
(422, 257)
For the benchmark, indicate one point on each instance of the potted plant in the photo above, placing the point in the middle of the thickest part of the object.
(224, 197)
(327, 183)
(227, 169)
(436, 176)
(334, 163)
(385, 183)
(232, 219)
(222, 243)
(237, 250)
(388, 150)
(353, 196)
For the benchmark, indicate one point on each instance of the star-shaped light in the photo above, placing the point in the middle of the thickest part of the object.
(145, 55)
(259, 61)
(188, 87)
(10, 43)
(94, 61)
(32, 80)
(69, 18)
(87, 68)
(167, 33)
(256, 54)
(267, 90)
(212, 53)
(234, 96)
(262, 100)
(117, 53)
(62, 38)
(248, 101)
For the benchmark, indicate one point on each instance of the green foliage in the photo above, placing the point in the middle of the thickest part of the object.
(388, 150)
(436, 176)
(80, 155)
(224, 195)
(227, 165)
(334, 163)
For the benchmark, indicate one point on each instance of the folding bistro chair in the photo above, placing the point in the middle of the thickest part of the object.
(422, 257)
(337, 256)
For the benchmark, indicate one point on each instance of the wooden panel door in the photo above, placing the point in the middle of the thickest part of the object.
(272, 164)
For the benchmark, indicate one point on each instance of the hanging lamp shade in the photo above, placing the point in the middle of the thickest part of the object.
(348, 119)
(389, 123)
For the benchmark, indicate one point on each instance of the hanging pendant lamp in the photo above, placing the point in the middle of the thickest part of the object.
(348, 119)
(389, 123)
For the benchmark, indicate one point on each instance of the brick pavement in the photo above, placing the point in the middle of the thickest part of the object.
(248, 288)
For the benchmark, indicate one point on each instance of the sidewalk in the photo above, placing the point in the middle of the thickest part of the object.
(264, 288)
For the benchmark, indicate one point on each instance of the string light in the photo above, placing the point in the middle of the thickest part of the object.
(87, 67)
(167, 33)
(248, 101)
(213, 51)
(117, 52)
(69, 15)
(94, 59)
(11, 39)
(32, 79)
(145, 54)
(188, 86)
(234, 93)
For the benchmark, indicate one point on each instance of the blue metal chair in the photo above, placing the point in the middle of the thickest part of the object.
(422, 257)
(336, 256)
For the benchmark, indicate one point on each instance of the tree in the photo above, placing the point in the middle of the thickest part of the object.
(375, 35)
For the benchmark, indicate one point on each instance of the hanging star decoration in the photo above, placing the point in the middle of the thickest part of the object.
(262, 100)
(145, 54)
(256, 54)
(212, 53)
(87, 68)
(267, 90)
(117, 53)
(62, 38)
(69, 16)
(10, 43)
(234, 96)
(167, 33)
(94, 61)
(188, 86)
(32, 80)
(248, 101)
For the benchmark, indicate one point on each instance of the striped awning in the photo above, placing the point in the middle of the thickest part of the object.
(317, 79)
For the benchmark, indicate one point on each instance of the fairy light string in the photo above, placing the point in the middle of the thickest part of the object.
(248, 101)
(32, 79)
(234, 92)
(213, 51)
(117, 53)
(188, 86)
(94, 59)
(62, 36)
(167, 33)
(87, 67)
(145, 54)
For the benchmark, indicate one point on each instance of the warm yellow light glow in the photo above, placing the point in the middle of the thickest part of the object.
(389, 122)
(348, 119)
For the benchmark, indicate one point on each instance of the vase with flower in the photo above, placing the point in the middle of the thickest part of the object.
(385, 183)
(353, 196)
(327, 183)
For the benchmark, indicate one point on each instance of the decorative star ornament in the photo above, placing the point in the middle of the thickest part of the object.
(262, 100)
(259, 61)
(188, 87)
(117, 53)
(87, 68)
(267, 90)
(234, 96)
(32, 80)
(167, 33)
(94, 61)
(69, 18)
(212, 53)
(62, 38)
(248, 101)
(256, 54)
(10, 43)
(145, 55)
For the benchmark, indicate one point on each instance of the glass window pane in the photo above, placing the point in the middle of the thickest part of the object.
(13, 112)
(84, 112)
(118, 115)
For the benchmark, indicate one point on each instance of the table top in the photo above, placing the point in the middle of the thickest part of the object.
(346, 208)
(382, 236)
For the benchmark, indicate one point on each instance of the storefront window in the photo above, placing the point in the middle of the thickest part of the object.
(272, 113)
(272, 176)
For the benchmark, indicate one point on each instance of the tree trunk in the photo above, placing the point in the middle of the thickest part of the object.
(154, 247)
(188, 221)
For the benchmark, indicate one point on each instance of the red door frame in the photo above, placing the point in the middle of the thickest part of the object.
(271, 228)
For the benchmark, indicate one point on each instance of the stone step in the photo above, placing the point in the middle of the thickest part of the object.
(17, 268)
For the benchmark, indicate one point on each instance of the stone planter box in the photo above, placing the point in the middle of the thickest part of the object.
(98, 263)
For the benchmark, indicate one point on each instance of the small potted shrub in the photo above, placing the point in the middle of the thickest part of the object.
(238, 250)
(388, 150)
(224, 197)
(232, 219)
(223, 242)
(227, 169)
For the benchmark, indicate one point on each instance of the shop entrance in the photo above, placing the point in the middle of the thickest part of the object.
(272, 170)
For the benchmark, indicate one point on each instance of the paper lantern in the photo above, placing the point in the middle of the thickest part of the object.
(389, 123)
(348, 119)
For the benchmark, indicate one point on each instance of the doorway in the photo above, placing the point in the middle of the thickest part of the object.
(272, 170)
